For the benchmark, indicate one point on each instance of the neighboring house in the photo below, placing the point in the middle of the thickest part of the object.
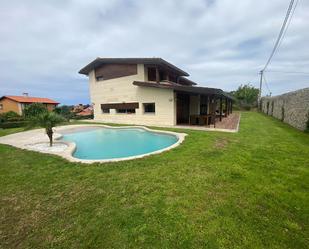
(78, 108)
(151, 91)
(18, 103)
(86, 112)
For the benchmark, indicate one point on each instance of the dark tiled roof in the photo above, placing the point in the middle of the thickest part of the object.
(155, 61)
(182, 88)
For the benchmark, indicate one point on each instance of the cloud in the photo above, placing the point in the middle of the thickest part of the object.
(220, 43)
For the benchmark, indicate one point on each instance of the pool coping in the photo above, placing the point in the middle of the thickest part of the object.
(69, 151)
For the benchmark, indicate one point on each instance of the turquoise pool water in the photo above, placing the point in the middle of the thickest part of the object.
(108, 143)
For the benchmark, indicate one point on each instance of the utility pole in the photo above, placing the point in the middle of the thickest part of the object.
(260, 92)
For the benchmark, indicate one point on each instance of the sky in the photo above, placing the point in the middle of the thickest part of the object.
(220, 43)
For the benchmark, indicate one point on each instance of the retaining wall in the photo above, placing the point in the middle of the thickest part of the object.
(291, 108)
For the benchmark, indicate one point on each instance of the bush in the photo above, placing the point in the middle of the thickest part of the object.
(10, 116)
(246, 97)
(65, 111)
(15, 124)
(34, 110)
(76, 117)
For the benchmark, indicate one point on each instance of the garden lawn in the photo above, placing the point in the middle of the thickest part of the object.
(216, 190)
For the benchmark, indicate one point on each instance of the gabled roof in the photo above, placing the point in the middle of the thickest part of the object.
(152, 61)
(24, 99)
(182, 88)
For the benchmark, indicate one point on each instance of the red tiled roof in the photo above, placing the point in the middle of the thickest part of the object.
(24, 99)
(86, 112)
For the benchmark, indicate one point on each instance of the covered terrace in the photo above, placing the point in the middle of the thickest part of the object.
(199, 106)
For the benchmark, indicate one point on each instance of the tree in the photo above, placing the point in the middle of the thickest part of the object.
(47, 120)
(34, 110)
(65, 111)
(246, 96)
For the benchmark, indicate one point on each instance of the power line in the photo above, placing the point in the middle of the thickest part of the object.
(290, 72)
(288, 24)
(280, 34)
(278, 42)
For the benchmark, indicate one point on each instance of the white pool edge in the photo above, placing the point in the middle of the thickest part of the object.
(68, 153)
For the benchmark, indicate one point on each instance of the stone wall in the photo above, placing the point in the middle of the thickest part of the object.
(291, 108)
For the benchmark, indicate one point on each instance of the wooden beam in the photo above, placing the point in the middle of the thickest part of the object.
(208, 106)
(157, 75)
(221, 108)
(214, 111)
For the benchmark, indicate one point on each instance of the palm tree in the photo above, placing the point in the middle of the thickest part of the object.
(48, 120)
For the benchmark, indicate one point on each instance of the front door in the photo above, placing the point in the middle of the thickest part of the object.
(183, 108)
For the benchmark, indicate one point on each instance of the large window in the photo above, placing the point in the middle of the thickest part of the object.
(127, 108)
(127, 111)
(105, 110)
(1, 106)
(149, 107)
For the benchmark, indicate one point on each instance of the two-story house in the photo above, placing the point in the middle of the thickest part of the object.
(151, 91)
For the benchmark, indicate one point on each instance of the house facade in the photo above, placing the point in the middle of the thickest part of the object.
(150, 91)
(18, 103)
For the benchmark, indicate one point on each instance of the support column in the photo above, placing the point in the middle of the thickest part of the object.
(208, 105)
(231, 106)
(226, 108)
(221, 108)
(214, 111)
(157, 75)
(167, 77)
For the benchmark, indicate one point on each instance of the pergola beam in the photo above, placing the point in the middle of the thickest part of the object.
(221, 108)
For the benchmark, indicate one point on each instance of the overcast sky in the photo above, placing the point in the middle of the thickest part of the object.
(220, 43)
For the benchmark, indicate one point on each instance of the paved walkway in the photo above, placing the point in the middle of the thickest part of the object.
(228, 124)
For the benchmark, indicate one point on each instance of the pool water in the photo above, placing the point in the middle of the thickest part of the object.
(109, 143)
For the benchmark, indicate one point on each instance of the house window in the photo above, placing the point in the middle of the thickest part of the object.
(127, 111)
(149, 107)
(100, 78)
(1, 106)
(105, 110)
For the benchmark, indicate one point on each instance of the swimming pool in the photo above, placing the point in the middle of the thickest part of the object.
(99, 143)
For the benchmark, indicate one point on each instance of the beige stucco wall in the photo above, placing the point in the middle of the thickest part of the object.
(122, 90)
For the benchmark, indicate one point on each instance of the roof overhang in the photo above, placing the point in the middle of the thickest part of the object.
(147, 61)
(24, 100)
(185, 89)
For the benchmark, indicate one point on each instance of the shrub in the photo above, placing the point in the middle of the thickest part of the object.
(34, 110)
(9, 116)
(77, 117)
(14, 124)
(65, 111)
(246, 96)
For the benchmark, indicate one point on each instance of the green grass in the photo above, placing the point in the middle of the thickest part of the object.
(216, 190)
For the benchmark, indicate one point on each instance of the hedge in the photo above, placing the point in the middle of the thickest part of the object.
(76, 117)
(14, 124)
